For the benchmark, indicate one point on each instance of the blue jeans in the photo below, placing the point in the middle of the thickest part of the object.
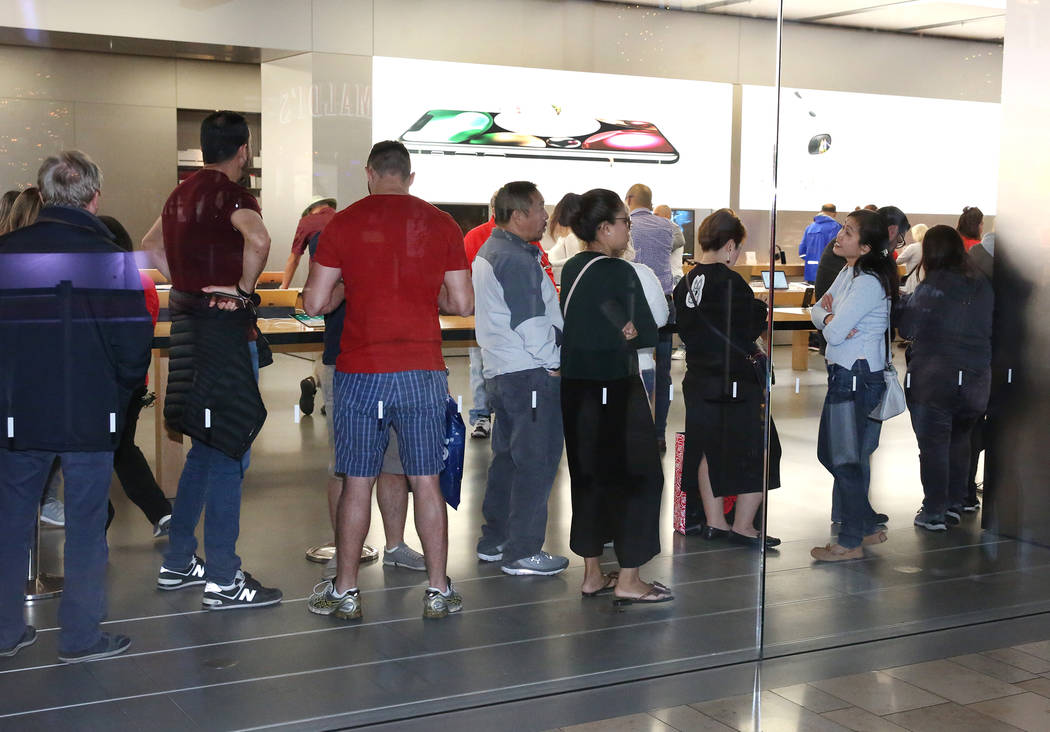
(845, 442)
(209, 479)
(479, 398)
(23, 474)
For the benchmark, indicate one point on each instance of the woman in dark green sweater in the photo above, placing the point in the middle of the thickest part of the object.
(614, 464)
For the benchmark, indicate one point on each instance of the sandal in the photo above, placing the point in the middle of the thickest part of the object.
(610, 584)
(656, 593)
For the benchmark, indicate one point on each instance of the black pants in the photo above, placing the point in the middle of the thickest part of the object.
(614, 465)
(943, 414)
(134, 472)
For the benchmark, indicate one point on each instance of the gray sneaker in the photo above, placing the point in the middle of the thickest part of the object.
(930, 521)
(490, 552)
(53, 513)
(323, 601)
(438, 605)
(540, 563)
(405, 557)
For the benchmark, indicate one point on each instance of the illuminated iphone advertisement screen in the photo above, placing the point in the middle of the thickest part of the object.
(924, 155)
(471, 128)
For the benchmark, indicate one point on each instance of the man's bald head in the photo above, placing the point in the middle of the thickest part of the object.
(663, 211)
(639, 196)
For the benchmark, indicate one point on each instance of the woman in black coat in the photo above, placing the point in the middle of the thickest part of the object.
(719, 319)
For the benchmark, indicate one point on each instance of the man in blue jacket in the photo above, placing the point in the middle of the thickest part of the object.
(75, 337)
(816, 237)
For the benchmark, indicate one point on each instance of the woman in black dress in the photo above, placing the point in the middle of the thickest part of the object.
(613, 459)
(719, 319)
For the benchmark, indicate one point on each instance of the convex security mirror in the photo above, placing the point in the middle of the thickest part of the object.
(819, 144)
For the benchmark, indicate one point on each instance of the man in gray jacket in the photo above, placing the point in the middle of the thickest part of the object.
(518, 325)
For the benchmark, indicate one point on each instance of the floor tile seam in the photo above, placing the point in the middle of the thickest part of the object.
(986, 678)
(377, 623)
(349, 627)
(918, 623)
(289, 601)
(942, 580)
(365, 664)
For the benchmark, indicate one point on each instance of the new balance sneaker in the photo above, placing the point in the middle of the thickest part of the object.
(540, 563)
(176, 579)
(53, 513)
(490, 552)
(438, 604)
(405, 557)
(108, 645)
(952, 516)
(930, 521)
(324, 601)
(482, 428)
(28, 638)
(162, 527)
(307, 389)
(244, 592)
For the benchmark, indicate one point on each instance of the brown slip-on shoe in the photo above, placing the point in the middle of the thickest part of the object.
(835, 553)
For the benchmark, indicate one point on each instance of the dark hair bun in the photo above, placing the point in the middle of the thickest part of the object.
(596, 206)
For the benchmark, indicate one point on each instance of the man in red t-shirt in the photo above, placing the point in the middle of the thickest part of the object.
(400, 261)
(210, 239)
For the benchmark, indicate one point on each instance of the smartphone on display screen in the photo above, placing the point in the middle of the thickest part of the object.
(551, 135)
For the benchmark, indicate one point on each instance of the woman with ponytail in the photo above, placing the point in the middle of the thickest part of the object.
(614, 464)
(853, 316)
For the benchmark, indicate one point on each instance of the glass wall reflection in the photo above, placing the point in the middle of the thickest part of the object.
(888, 522)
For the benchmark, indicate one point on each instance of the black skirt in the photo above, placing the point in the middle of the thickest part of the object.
(730, 433)
(614, 465)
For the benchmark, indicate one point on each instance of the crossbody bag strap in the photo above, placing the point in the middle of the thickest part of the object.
(579, 277)
(889, 319)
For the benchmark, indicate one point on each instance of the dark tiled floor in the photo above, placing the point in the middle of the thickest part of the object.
(517, 636)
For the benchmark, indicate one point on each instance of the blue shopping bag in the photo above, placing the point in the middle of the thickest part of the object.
(451, 477)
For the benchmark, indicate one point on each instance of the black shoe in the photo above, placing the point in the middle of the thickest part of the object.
(710, 532)
(108, 645)
(176, 579)
(881, 518)
(969, 507)
(753, 541)
(244, 592)
(952, 516)
(307, 387)
(28, 638)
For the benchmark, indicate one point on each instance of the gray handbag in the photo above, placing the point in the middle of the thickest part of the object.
(893, 400)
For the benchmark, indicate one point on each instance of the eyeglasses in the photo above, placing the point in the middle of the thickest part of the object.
(625, 219)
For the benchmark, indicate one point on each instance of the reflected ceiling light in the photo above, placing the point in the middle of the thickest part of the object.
(993, 4)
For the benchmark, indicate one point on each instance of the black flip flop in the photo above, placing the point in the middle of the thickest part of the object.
(657, 593)
(606, 588)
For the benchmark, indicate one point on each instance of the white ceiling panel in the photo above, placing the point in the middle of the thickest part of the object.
(971, 19)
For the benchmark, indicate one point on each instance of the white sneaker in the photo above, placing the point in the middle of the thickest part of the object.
(678, 355)
(482, 428)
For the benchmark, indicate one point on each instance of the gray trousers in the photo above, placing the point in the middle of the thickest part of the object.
(526, 450)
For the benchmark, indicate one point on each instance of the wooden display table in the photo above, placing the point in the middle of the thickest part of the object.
(288, 335)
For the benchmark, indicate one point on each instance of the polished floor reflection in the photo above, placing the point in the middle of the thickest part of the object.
(1002, 690)
(517, 637)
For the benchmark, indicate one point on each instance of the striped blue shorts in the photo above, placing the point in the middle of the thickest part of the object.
(413, 405)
